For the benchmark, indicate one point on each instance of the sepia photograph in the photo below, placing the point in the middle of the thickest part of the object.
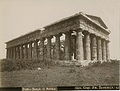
(59, 45)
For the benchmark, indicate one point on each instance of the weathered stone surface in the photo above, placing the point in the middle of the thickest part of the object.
(93, 48)
(99, 49)
(67, 45)
(87, 46)
(79, 46)
(74, 47)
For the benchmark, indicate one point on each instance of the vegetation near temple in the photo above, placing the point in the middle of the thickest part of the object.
(57, 75)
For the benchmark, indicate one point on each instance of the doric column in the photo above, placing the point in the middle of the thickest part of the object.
(35, 49)
(99, 48)
(57, 46)
(9, 52)
(14, 52)
(104, 50)
(42, 48)
(21, 52)
(30, 50)
(49, 48)
(107, 51)
(18, 52)
(79, 45)
(26, 51)
(94, 48)
(67, 45)
(87, 46)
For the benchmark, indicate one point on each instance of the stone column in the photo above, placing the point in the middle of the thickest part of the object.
(42, 49)
(104, 50)
(10, 53)
(99, 48)
(57, 46)
(107, 51)
(94, 48)
(7, 53)
(49, 48)
(15, 52)
(35, 49)
(30, 50)
(26, 51)
(79, 45)
(21, 52)
(18, 52)
(68, 46)
(87, 46)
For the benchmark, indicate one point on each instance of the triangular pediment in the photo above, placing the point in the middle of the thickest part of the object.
(97, 20)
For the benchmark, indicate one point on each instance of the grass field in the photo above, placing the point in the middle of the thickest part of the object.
(104, 74)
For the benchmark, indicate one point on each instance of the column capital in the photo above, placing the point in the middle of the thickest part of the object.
(79, 30)
(58, 35)
(49, 37)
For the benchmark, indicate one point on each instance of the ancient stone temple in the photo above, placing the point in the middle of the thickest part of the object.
(78, 37)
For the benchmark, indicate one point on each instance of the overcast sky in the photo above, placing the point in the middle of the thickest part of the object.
(18, 17)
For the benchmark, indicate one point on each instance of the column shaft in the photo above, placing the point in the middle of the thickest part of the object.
(94, 48)
(87, 47)
(107, 51)
(99, 49)
(26, 51)
(79, 45)
(49, 48)
(67, 46)
(104, 50)
(57, 47)
(35, 49)
(30, 50)
(42, 49)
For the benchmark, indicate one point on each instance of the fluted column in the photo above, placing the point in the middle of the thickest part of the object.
(67, 45)
(87, 47)
(107, 51)
(79, 45)
(42, 49)
(49, 48)
(94, 48)
(104, 50)
(99, 48)
(57, 47)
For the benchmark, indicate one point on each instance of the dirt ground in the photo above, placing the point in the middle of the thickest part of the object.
(107, 74)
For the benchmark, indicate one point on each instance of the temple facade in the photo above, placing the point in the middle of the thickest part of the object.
(78, 37)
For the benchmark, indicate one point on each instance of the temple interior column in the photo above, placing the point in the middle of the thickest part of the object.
(79, 45)
(99, 48)
(87, 46)
(68, 46)
(93, 48)
(57, 47)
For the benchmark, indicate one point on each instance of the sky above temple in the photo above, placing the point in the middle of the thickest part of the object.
(18, 17)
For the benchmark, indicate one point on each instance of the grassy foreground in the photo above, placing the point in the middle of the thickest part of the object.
(98, 74)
